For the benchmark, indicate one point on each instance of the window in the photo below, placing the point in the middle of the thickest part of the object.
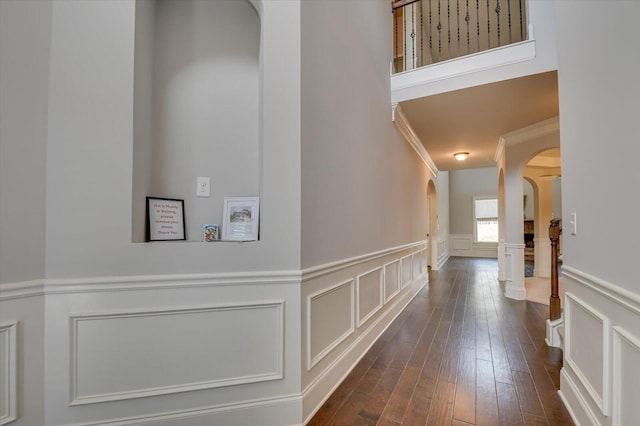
(485, 217)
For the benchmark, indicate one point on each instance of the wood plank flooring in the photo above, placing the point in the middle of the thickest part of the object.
(459, 354)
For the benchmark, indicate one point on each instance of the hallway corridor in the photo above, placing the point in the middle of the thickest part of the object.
(459, 354)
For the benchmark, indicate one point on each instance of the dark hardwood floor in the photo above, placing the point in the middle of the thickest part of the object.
(459, 354)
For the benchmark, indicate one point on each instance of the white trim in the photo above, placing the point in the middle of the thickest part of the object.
(21, 289)
(534, 131)
(360, 322)
(403, 125)
(398, 305)
(613, 292)
(199, 412)
(18, 290)
(9, 384)
(388, 297)
(327, 268)
(311, 362)
(479, 61)
(575, 393)
(499, 150)
(76, 318)
(602, 400)
(619, 335)
(409, 259)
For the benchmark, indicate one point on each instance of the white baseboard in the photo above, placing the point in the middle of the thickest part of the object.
(328, 381)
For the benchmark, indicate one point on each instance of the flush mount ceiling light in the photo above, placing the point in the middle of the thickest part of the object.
(461, 156)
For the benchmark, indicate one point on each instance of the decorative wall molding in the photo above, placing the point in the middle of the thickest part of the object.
(598, 392)
(405, 271)
(391, 275)
(320, 388)
(341, 335)
(574, 399)
(609, 290)
(626, 387)
(403, 125)
(462, 245)
(534, 131)
(375, 294)
(17, 290)
(98, 338)
(480, 61)
(328, 268)
(251, 411)
(418, 262)
(8, 372)
(20, 290)
(604, 319)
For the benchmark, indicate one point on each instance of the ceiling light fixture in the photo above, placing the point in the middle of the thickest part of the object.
(461, 156)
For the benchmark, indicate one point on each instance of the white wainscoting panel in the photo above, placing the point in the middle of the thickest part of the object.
(369, 297)
(124, 355)
(626, 378)
(8, 372)
(508, 263)
(405, 271)
(391, 280)
(417, 263)
(586, 350)
(464, 246)
(331, 319)
(461, 242)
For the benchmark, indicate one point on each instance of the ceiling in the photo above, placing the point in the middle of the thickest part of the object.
(473, 119)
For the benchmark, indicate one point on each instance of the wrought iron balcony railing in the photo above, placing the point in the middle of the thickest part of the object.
(426, 32)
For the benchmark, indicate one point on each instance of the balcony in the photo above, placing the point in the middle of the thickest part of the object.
(427, 32)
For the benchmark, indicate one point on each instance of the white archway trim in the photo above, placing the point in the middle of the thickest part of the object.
(412, 138)
(534, 131)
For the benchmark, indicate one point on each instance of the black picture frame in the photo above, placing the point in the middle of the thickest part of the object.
(165, 219)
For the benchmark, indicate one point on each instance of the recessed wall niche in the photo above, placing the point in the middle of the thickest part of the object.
(196, 106)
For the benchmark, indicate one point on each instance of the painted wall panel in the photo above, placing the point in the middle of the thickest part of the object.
(369, 294)
(626, 386)
(405, 271)
(134, 354)
(391, 280)
(330, 319)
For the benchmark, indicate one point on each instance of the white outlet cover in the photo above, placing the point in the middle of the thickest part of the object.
(203, 187)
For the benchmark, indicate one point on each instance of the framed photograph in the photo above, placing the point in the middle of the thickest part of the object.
(241, 218)
(165, 219)
(211, 233)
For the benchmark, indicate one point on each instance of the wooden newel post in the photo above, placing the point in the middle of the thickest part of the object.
(554, 300)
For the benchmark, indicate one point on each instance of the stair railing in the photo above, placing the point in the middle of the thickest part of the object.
(555, 230)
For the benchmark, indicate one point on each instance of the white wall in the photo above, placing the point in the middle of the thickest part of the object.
(204, 116)
(25, 28)
(98, 292)
(442, 193)
(599, 99)
(463, 186)
(363, 186)
(527, 190)
(364, 189)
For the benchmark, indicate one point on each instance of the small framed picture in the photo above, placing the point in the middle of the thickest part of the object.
(241, 218)
(211, 232)
(165, 219)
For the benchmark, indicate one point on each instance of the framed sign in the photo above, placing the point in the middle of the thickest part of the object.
(241, 218)
(165, 219)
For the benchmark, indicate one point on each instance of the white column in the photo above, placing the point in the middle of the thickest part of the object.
(542, 215)
(514, 235)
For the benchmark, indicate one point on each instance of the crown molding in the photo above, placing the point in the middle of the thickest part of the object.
(412, 138)
(537, 130)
